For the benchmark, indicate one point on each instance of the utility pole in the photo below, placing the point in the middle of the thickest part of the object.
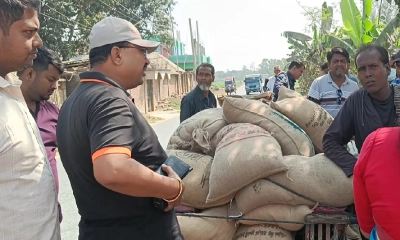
(173, 43)
(173, 31)
(193, 52)
(198, 42)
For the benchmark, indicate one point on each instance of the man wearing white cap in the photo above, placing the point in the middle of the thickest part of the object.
(108, 149)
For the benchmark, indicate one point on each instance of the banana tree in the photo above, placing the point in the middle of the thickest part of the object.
(361, 30)
(358, 29)
(322, 38)
(396, 37)
(311, 49)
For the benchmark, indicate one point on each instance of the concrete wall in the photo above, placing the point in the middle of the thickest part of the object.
(148, 95)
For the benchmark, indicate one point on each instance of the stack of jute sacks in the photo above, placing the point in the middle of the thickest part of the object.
(244, 153)
(264, 97)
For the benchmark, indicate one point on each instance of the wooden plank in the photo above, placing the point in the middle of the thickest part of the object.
(327, 218)
(320, 232)
(312, 232)
(307, 235)
(328, 231)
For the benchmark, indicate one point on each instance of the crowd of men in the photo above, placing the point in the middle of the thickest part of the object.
(358, 112)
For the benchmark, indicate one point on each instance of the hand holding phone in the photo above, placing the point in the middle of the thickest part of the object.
(167, 206)
(175, 168)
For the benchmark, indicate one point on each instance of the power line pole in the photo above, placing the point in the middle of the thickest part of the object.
(174, 47)
(193, 52)
(198, 42)
(173, 30)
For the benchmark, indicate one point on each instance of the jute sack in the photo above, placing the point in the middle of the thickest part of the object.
(195, 133)
(315, 177)
(351, 234)
(245, 154)
(292, 139)
(222, 98)
(262, 232)
(196, 228)
(221, 134)
(311, 117)
(279, 212)
(197, 181)
(263, 192)
(268, 95)
(285, 92)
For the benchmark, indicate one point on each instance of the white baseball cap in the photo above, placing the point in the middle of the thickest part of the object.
(112, 30)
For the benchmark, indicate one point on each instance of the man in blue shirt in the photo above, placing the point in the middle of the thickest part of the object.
(288, 79)
(396, 64)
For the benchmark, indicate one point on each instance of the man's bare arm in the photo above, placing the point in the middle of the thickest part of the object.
(120, 173)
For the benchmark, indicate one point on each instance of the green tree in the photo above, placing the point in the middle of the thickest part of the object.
(267, 65)
(358, 29)
(311, 50)
(66, 24)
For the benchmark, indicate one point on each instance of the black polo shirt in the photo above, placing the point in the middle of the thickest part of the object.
(195, 101)
(100, 116)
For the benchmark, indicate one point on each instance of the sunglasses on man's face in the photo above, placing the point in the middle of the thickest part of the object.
(143, 50)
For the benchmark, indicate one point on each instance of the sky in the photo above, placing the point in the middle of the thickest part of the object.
(236, 32)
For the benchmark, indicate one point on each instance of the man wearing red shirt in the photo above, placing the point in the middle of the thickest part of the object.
(376, 184)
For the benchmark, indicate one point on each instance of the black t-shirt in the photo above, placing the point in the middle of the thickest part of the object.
(386, 110)
(195, 102)
(99, 115)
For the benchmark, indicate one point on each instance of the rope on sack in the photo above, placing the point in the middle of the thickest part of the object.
(239, 218)
(310, 199)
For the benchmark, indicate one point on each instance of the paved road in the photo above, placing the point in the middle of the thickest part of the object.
(69, 226)
(241, 90)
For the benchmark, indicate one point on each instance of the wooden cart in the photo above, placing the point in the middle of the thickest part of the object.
(326, 226)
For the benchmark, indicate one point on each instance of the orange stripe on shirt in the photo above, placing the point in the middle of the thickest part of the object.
(100, 81)
(95, 80)
(110, 150)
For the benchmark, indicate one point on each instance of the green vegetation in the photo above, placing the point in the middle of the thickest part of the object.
(174, 103)
(65, 24)
(360, 25)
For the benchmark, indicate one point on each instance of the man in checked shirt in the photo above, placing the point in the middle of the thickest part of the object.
(28, 198)
(332, 89)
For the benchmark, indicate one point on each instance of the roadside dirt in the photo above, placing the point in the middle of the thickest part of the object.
(160, 116)
(165, 110)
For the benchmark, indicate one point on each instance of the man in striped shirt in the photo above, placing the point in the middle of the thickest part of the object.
(332, 89)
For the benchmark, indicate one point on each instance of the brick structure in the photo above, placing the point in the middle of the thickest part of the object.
(163, 79)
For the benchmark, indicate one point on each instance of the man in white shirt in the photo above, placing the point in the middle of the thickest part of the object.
(28, 200)
(332, 89)
(269, 82)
